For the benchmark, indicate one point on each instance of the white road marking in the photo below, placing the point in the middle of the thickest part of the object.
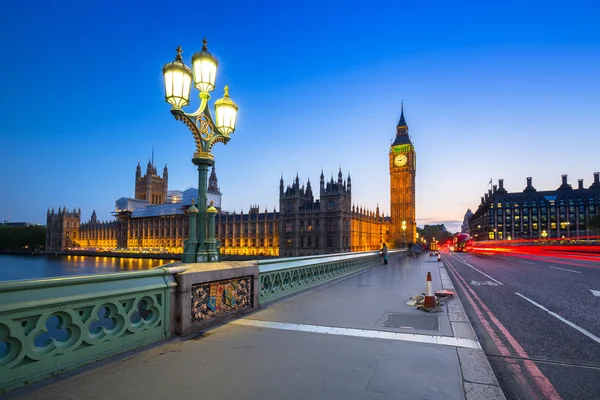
(362, 333)
(481, 272)
(566, 321)
(484, 283)
(563, 269)
(595, 292)
(525, 262)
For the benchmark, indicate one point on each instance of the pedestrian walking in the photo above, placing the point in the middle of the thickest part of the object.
(384, 253)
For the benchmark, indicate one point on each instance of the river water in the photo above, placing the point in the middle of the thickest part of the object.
(14, 267)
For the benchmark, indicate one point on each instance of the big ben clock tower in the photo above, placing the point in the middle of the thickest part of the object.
(403, 169)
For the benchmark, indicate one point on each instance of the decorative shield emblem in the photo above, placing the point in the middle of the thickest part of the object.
(212, 303)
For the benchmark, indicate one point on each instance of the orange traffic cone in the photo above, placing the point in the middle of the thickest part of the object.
(429, 301)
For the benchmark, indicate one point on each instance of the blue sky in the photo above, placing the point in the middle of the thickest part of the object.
(505, 90)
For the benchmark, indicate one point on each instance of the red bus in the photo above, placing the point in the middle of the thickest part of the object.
(461, 241)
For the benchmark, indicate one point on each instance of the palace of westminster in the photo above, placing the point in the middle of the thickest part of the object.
(155, 220)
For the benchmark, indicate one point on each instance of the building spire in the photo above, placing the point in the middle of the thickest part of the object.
(402, 122)
(213, 185)
(402, 136)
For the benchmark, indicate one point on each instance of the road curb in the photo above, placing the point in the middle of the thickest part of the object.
(479, 380)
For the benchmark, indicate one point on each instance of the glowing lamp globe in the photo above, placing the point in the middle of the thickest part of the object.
(226, 114)
(178, 79)
(205, 69)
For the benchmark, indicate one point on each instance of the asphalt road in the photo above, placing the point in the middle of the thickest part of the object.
(537, 318)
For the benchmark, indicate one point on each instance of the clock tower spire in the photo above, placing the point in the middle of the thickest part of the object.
(403, 168)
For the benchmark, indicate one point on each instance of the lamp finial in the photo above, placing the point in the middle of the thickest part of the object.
(204, 43)
(226, 91)
(179, 51)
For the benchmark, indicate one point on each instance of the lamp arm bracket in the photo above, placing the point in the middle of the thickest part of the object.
(204, 132)
(204, 97)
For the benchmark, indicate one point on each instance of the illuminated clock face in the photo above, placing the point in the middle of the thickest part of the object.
(400, 160)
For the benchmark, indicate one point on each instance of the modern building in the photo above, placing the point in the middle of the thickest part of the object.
(464, 227)
(155, 220)
(532, 214)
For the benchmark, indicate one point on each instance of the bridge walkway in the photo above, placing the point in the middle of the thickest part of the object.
(353, 338)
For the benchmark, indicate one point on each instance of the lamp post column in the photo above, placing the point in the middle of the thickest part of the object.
(191, 245)
(211, 241)
(203, 164)
(206, 131)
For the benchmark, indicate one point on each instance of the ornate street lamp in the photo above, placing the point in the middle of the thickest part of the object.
(404, 233)
(178, 80)
(544, 234)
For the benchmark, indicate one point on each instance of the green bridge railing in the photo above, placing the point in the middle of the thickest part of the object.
(54, 325)
(285, 276)
(49, 326)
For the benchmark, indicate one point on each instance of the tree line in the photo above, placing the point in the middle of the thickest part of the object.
(22, 238)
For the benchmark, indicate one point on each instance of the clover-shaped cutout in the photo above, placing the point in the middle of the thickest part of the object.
(286, 280)
(276, 283)
(58, 332)
(145, 313)
(10, 347)
(303, 276)
(310, 274)
(107, 321)
(266, 284)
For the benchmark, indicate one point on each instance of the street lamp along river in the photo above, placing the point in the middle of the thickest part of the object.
(178, 80)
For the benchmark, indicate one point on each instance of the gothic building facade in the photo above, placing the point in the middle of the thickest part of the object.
(330, 224)
(151, 187)
(155, 220)
(62, 229)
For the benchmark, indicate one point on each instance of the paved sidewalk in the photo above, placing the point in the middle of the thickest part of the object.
(354, 338)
